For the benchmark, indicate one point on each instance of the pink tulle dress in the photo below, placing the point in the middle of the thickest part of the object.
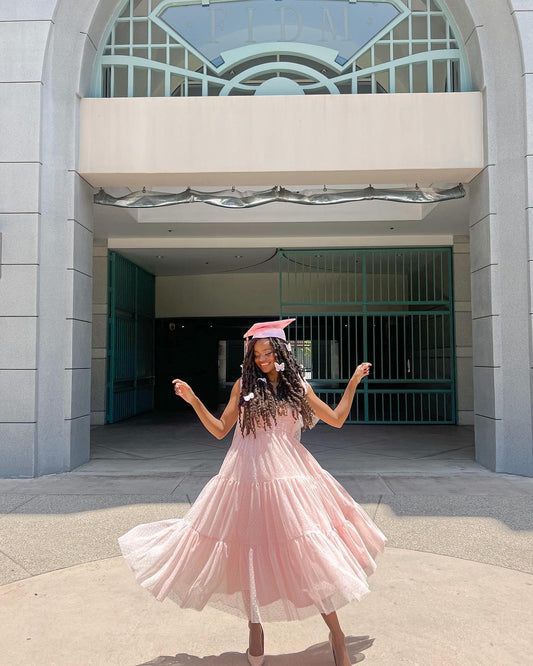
(273, 536)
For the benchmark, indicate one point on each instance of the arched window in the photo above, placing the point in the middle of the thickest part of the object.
(184, 48)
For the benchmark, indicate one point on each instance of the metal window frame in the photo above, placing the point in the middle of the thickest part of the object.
(350, 72)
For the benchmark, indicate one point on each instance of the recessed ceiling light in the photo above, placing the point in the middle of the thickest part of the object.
(238, 256)
(159, 256)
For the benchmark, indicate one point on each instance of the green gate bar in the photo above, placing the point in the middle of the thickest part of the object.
(130, 339)
(392, 307)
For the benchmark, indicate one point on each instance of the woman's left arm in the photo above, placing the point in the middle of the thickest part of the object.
(336, 417)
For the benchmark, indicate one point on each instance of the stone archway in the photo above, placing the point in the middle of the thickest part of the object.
(50, 432)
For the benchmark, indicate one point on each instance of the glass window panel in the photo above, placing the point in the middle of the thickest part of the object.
(318, 91)
(195, 88)
(140, 82)
(434, 6)
(159, 36)
(177, 56)
(140, 53)
(140, 8)
(177, 85)
(296, 76)
(106, 81)
(156, 3)
(122, 50)
(420, 26)
(419, 5)
(401, 51)
(364, 60)
(401, 31)
(126, 10)
(213, 89)
(439, 76)
(438, 46)
(195, 64)
(364, 86)
(381, 54)
(159, 54)
(239, 92)
(456, 83)
(401, 75)
(121, 81)
(122, 32)
(107, 50)
(453, 44)
(140, 32)
(158, 83)
(438, 27)
(420, 77)
(420, 47)
(344, 88)
(382, 82)
(259, 78)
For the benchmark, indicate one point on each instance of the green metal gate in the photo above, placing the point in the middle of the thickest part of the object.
(130, 339)
(392, 307)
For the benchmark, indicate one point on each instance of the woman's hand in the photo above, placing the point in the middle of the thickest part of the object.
(183, 390)
(361, 371)
(219, 428)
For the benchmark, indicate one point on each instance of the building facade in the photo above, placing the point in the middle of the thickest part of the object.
(164, 95)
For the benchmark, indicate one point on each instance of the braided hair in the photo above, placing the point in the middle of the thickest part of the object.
(266, 402)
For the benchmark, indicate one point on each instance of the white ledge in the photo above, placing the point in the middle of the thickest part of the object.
(317, 139)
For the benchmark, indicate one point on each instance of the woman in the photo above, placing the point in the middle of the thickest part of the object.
(273, 536)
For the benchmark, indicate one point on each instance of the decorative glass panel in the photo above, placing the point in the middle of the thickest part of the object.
(238, 47)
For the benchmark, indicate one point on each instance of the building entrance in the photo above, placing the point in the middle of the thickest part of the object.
(390, 306)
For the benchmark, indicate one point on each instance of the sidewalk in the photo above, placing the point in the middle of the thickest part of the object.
(454, 586)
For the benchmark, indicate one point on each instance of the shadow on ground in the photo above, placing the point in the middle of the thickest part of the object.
(316, 655)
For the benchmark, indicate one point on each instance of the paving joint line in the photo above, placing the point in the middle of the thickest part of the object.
(17, 563)
(464, 559)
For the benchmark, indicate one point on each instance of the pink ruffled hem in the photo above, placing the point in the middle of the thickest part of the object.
(277, 550)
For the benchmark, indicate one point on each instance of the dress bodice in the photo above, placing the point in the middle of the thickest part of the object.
(285, 423)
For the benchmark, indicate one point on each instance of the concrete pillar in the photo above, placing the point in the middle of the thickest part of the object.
(500, 241)
(46, 227)
(21, 76)
(99, 338)
(463, 329)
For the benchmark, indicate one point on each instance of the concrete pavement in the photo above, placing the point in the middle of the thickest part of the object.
(454, 586)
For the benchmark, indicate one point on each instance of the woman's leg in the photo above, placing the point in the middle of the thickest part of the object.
(256, 639)
(337, 637)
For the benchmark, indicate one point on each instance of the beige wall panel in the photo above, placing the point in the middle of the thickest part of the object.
(225, 295)
(281, 139)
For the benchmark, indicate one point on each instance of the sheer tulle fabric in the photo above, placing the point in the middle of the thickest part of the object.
(273, 536)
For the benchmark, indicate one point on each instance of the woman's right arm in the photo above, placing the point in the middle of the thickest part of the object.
(219, 428)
